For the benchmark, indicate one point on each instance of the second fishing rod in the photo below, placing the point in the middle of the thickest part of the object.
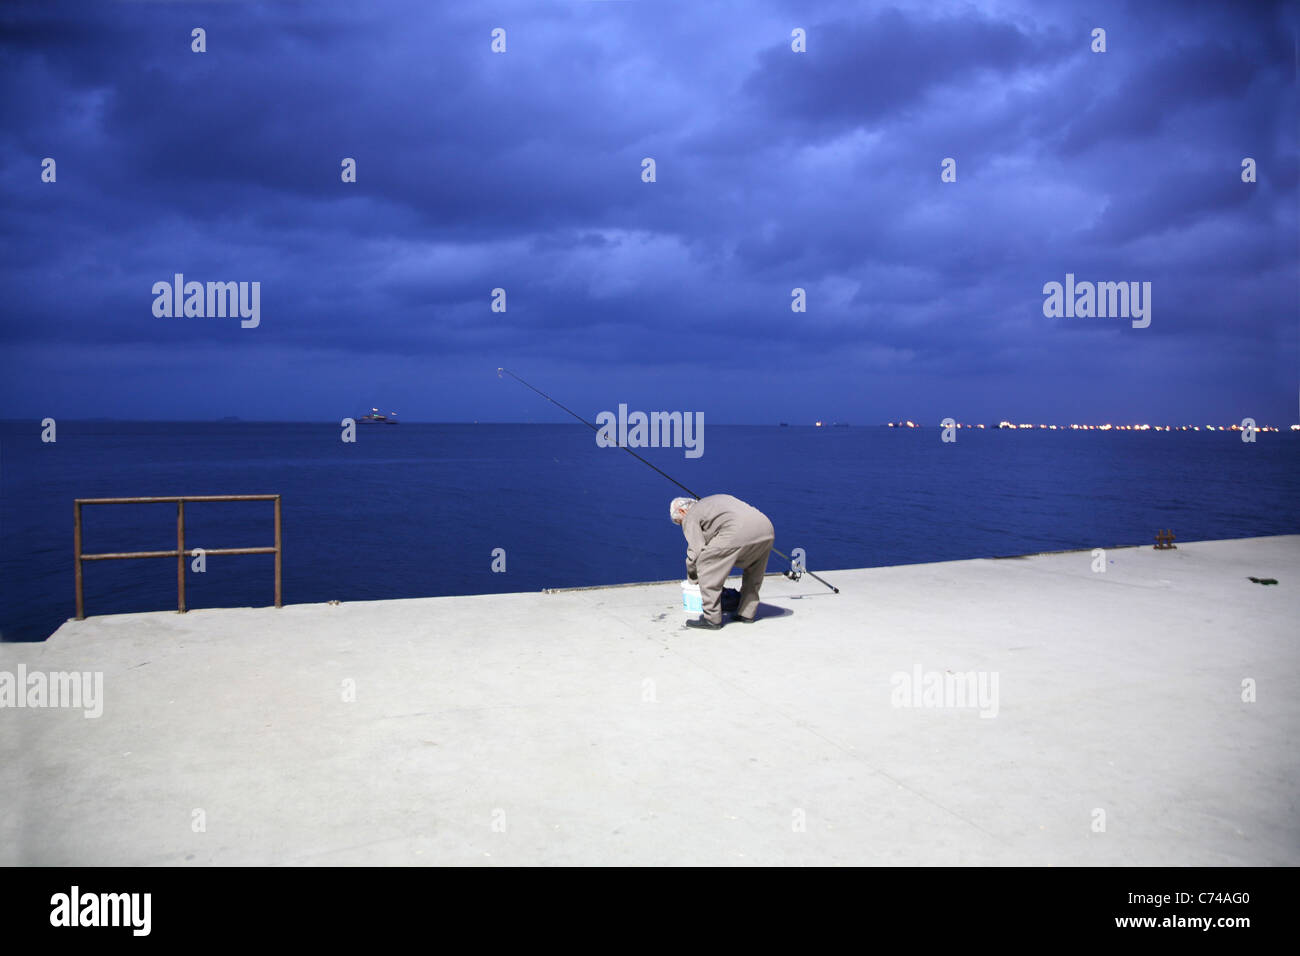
(792, 574)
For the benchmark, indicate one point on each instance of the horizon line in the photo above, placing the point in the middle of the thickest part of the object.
(1003, 425)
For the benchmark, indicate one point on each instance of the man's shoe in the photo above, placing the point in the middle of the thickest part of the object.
(704, 623)
(742, 620)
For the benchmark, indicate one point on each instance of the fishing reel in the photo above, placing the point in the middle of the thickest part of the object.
(793, 574)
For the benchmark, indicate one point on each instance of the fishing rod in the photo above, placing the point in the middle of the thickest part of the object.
(792, 574)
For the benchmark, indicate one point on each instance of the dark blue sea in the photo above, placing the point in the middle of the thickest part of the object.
(416, 510)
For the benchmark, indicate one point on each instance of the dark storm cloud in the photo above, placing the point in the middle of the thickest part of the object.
(775, 170)
(888, 65)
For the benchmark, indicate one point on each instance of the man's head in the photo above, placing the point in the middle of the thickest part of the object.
(677, 510)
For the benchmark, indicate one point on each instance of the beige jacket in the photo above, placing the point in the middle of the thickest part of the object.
(722, 523)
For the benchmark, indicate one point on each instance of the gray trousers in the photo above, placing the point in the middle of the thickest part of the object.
(713, 566)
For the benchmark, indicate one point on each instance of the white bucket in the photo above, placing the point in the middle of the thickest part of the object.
(691, 600)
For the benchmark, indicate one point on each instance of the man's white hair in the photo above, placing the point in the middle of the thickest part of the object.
(679, 504)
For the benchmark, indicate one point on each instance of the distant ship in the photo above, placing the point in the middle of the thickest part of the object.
(375, 418)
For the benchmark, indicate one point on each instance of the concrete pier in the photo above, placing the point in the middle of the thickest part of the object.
(1011, 711)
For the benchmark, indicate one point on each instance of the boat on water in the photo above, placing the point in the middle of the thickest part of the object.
(377, 418)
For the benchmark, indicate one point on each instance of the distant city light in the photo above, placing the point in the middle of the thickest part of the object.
(1108, 426)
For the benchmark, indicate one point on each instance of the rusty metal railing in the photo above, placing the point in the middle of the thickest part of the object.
(179, 554)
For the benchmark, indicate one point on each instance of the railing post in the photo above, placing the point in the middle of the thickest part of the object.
(76, 549)
(277, 551)
(180, 556)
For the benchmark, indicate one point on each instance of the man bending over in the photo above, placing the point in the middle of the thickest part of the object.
(723, 532)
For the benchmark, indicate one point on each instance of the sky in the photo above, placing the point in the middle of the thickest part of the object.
(775, 169)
